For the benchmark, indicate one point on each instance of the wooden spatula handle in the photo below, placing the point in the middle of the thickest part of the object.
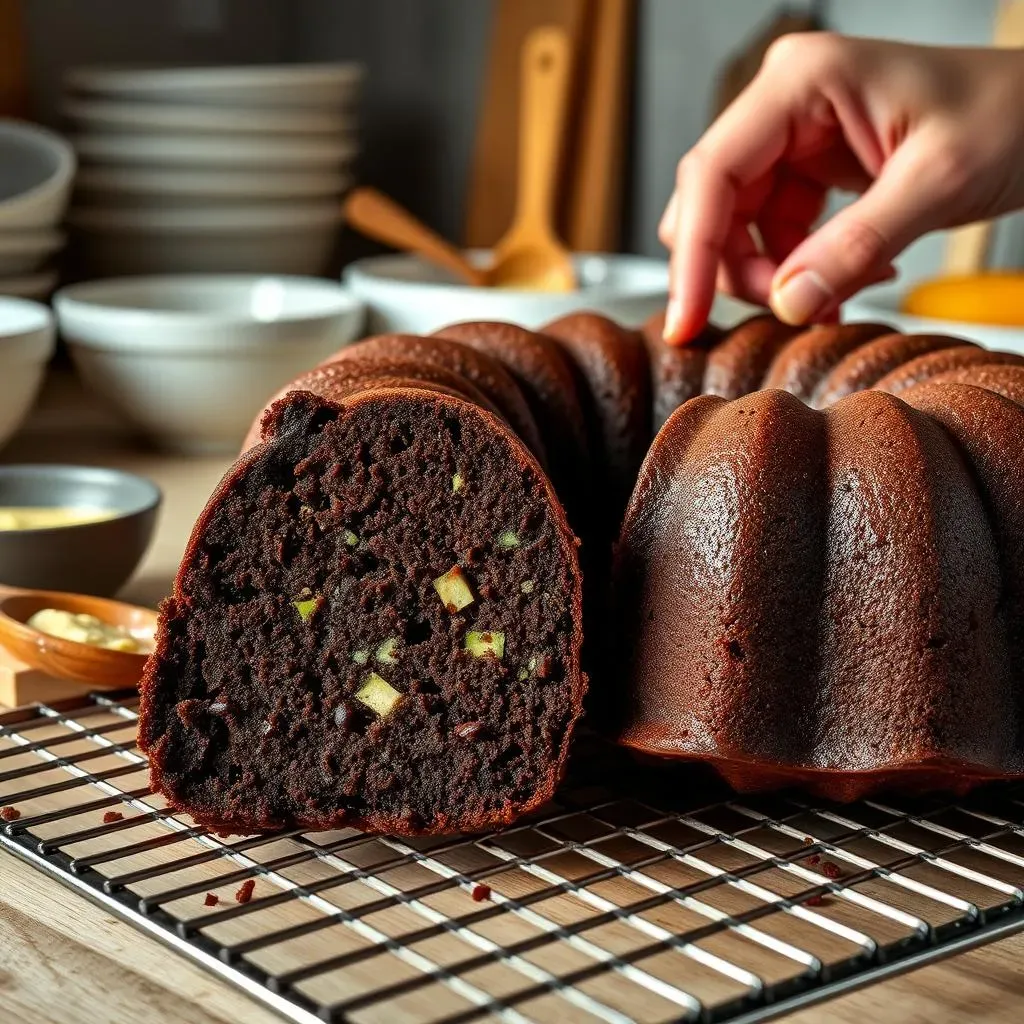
(542, 118)
(373, 214)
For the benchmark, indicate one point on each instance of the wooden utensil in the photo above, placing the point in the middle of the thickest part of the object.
(529, 255)
(375, 215)
(490, 203)
(967, 248)
(596, 176)
(101, 669)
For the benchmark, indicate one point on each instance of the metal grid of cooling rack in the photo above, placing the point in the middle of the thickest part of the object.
(637, 895)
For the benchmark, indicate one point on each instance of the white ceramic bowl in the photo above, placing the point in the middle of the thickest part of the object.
(30, 286)
(883, 303)
(27, 337)
(115, 116)
(190, 360)
(183, 186)
(403, 293)
(205, 150)
(284, 238)
(37, 168)
(321, 86)
(22, 252)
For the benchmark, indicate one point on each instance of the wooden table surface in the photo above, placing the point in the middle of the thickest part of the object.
(65, 961)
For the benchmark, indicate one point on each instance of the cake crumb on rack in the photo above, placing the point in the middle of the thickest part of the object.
(212, 899)
(481, 893)
(10, 813)
(244, 893)
(112, 816)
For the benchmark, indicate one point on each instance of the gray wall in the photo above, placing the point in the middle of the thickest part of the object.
(63, 33)
(425, 60)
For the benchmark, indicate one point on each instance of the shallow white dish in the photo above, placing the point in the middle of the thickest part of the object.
(37, 168)
(30, 286)
(24, 251)
(205, 150)
(27, 338)
(274, 237)
(404, 294)
(323, 86)
(130, 186)
(191, 359)
(116, 115)
(883, 303)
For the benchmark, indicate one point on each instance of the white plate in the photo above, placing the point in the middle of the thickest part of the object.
(217, 151)
(31, 286)
(279, 238)
(264, 217)
(127, 116)
(24, 252)
(321, 86)
(126, 186)
(883, 303)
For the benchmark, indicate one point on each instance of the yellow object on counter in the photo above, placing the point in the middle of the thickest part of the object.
(85, 629)
(19, 517)
(996, 298)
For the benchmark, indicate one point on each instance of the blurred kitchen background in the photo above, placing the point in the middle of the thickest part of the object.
(426, 64)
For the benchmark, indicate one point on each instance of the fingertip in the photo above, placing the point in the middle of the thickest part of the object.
(684, 321)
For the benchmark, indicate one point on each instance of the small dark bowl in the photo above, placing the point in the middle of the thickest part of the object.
(89, 558)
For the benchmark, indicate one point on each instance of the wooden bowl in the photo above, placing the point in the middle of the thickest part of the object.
(101, 668)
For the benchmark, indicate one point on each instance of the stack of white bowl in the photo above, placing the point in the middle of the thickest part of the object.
(37, 168)
(222, 169)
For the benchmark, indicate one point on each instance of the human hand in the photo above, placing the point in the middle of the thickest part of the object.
(930, 137)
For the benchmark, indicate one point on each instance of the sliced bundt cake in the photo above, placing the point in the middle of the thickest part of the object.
(377, 619)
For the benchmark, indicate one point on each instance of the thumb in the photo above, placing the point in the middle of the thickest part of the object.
(856, 247)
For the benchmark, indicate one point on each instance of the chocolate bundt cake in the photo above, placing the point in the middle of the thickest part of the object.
(822, 585)
(377, 620)
(819, 579)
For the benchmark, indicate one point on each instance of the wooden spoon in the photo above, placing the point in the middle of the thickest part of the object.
(376, 216)
(67, 659)
(529, 255)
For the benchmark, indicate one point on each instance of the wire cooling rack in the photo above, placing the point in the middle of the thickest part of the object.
(636, 896)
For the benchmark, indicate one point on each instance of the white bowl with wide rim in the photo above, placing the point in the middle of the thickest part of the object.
(27, 339)
(189, 360)
(37, 168)
(284, 238)
(317, 86)
(405, 294)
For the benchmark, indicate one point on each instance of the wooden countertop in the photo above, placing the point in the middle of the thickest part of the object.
(64, 960)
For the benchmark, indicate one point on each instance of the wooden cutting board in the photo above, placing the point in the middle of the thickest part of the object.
(492, 180)
(595, 177)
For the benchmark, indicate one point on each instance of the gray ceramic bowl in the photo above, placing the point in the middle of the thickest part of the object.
(90, 558)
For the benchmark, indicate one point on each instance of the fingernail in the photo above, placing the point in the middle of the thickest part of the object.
(799, 298)
(673, 314)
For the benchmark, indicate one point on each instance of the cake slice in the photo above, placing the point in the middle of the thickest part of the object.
(376, 624)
